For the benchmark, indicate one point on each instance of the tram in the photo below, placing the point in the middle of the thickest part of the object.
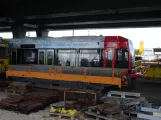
(101, 58)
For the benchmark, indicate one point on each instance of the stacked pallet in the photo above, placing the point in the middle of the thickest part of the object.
(29, 102)
(16, 87)
(107, 110)
(117, 105)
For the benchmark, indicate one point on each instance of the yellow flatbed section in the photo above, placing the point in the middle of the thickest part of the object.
(88, 76)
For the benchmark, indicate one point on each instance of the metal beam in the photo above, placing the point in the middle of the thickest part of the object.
(30, 26)
(5, 27)
(6, 20)
(103, 22)
(71, 14)
(96, 12)
(93, 26)
(96, 26)
(105, 26)
(110, 17)
(139, 9)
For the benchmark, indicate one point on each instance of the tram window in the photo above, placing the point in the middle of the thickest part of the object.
(89, 58)
(101, 58)
(120, 55)
(109, 58)
(67, 57)
(27, 56)
(121, 58)
(126, 55)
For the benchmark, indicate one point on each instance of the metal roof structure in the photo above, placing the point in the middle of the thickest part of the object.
(57, 15)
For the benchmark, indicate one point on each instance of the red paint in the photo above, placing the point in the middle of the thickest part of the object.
(113, 58)
(129, 65)
(133, 75)
(115, 42)
(105, 61)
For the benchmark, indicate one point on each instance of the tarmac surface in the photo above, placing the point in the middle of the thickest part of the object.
(149, 89)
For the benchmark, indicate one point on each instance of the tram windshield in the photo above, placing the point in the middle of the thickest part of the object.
(121, 58)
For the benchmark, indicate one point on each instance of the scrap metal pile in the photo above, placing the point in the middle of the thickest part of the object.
(29, 102)
(80, 103)
(115, 105)
(107, 110)
(124, 106)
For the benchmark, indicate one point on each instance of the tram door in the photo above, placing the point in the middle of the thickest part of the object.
(41, 56)
(50, 57)
(109, 57)
(14, 57)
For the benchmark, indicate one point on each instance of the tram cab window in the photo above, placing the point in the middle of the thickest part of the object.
(89, 58)
(66, 57)
(121, 58)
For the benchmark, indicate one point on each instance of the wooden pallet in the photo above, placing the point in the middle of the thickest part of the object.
(63, 116)
(123, 94)
(14, 91)
(95, 110)
(99, 116)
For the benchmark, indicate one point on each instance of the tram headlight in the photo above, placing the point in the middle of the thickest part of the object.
(133, 71)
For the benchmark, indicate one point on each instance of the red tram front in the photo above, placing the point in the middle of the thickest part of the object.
(119, 53)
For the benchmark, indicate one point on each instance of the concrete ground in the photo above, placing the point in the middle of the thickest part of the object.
(150, 90)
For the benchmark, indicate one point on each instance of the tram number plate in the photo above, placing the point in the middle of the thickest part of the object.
(111, 44)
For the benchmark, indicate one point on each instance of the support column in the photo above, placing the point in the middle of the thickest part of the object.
(18, 31)
(42, 33)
